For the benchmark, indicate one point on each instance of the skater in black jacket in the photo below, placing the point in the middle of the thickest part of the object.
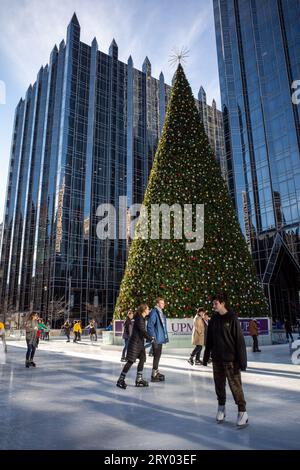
(136, 348)
(226, 345)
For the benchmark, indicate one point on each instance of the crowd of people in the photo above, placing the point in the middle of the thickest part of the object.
(220, 337)
(76, 327)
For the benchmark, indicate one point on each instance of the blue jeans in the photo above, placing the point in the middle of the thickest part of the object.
(124, 352)
(30, 351)
(289, 334)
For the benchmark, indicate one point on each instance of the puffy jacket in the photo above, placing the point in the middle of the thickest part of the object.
(77, 328)
(136, 345)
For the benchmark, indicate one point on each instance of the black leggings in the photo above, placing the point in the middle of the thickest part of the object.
(197, 351)
(140, 366)
(30, 351)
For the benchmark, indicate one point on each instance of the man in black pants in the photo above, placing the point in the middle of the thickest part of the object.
(226, 344)
(157, 328)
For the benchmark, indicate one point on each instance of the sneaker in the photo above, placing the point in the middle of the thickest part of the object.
(191, 361)
(242, 419)
(221, 414)
(27, 364)
(33, 364)
(123, 359)
(198, 363)
(121, 383)
(140, 382)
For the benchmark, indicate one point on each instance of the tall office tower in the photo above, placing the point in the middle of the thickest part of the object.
(258, 44)
(212, 119)
(85, 135)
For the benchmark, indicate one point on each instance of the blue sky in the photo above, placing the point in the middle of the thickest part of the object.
(30, 28)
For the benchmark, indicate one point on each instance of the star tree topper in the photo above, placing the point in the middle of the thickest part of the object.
(178, 56)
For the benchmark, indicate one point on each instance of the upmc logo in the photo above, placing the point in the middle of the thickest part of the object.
(181, 327)
(296, 354)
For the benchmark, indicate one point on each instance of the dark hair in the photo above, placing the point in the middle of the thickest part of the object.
(31, 315)
(130, 311)
(221, 297)
(140, 310)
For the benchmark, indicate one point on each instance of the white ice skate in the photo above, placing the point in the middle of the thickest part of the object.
(221, 414)
(242, 419)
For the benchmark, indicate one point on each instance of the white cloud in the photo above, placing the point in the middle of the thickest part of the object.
(29, 32)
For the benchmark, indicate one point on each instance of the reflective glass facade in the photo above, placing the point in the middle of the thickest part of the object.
(85, 134)
(258, 43)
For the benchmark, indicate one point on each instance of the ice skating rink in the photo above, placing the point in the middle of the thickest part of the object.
(70, 401)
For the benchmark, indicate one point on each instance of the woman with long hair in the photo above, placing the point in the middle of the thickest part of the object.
(136, 348)
(31, 327)
(127, 332)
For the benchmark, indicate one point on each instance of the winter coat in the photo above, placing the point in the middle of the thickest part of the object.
(31, 332)
(136, 345)
(77, 328)
(198, 331)
(205, 330)
(225, 340)
(288, 326)
(253, 328)
(128, 327)
(157, 326)
(67, 329)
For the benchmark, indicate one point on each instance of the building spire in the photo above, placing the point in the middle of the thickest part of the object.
(74, 20)
(113, 49)
(147, 66)
(202, 95)
(95, 43)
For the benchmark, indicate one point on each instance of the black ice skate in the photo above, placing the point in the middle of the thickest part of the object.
(140, 382)
(121, 383)
(158, 377)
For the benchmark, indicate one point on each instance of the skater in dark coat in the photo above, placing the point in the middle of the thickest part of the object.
(226, 345)
(136, 348)
(127, 332)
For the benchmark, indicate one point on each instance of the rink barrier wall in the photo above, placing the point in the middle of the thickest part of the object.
(180, 332)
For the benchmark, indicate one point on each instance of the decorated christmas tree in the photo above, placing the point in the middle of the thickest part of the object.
(185, 172)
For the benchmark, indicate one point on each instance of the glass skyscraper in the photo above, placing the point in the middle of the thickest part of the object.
(85, 134)
(258, 44)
